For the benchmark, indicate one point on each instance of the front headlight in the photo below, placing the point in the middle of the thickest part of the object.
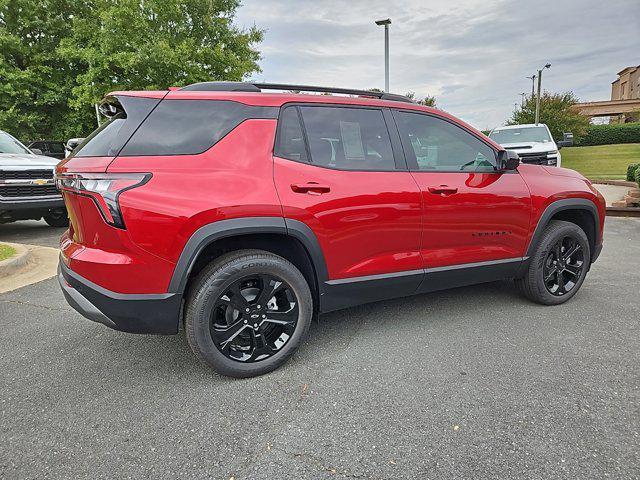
(552, 153)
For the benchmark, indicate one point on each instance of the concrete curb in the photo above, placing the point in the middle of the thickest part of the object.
(623, 212)
(619, 183)
(37, 264)
(19, 260)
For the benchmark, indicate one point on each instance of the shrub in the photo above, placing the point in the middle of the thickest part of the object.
(631, 171)
(638, 176)
(610, 134)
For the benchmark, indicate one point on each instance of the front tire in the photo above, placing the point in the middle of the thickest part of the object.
(559, 265)
(247, 313)
(57, 218)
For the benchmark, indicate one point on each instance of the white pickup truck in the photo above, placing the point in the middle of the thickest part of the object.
(533, 143)
(27, 186)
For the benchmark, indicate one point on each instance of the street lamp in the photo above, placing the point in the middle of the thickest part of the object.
(524, 96)
(548, 65)
(386, 22)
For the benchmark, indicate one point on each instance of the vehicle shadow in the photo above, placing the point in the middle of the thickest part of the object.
(329, 336)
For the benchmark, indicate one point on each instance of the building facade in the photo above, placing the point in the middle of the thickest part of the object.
(627, 86)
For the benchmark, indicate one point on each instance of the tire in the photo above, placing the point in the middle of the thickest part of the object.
(541, 265)
(57, 219)
(234, 348)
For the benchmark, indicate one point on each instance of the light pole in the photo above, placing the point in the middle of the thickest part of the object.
(386, 22)
(548, 65)
(524, 96)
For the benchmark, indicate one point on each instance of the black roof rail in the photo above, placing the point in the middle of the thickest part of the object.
(221, 87)
(345, 91)
(257, 87)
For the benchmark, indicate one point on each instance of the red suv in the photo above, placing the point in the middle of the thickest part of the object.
(243, 214)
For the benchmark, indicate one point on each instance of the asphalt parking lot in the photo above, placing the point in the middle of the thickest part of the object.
(468, 383)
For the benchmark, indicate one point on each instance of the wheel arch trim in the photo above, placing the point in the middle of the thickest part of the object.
(559, 206)
(209, 233)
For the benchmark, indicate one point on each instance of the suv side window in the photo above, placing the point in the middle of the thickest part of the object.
(190, 127)
(348, 138)
(291, 144)
(431, 143)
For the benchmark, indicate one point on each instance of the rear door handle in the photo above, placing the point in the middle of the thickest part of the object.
(313, 188)
(443, 190)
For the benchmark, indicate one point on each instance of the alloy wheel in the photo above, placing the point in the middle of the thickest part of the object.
(563, 266)
(254, 318)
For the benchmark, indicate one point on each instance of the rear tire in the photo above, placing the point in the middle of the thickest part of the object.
(558, 266)
(247, 313)
(57, 219)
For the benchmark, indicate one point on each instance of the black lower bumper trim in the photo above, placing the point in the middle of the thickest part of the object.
(133, 313)
(44, 204)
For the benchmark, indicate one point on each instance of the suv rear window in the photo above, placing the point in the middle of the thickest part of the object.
(190, 127)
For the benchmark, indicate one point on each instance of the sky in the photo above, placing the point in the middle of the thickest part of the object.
(473, 55)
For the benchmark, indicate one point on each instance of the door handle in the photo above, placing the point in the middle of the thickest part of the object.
(313, 188)
(443, 190)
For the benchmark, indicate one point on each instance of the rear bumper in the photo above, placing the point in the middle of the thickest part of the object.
(133, 313)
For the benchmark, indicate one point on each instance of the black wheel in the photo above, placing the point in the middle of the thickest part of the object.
(57, 218)
(247, 313)
(559, 265)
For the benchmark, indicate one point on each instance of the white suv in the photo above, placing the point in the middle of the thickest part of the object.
(533, 143)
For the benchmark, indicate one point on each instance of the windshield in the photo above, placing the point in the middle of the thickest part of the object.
(8, 144)
(520, 135)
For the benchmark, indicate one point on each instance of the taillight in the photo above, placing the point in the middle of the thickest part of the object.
(104, 189)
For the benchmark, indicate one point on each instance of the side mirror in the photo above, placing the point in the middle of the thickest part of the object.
(72, 143)
(508, 160)
(36, 151)
(567, 141)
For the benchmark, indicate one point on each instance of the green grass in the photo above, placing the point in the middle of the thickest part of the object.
(602, 162)
(6, 251)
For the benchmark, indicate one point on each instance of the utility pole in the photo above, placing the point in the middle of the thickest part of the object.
(548, 65)
(386, 22)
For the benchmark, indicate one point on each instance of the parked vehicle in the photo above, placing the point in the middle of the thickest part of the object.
(48, 148)
(533, 143)
(27, 187)
(242, 214)
(71, 144)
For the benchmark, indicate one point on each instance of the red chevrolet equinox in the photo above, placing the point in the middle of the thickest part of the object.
(239, 213)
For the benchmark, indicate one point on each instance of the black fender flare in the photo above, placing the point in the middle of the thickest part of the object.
(558, 206)
(211, 232)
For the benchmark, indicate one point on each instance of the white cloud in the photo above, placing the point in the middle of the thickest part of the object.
(473, 55)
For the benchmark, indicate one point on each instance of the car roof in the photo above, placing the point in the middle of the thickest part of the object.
(524, 125)
(279, 99)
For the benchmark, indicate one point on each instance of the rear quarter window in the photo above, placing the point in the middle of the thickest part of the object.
(190, 127)
(108, 139)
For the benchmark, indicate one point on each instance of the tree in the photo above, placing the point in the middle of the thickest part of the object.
(427, 101)
(35, 80)
(59, 57)
(555, 112)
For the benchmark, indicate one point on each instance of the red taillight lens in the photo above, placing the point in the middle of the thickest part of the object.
(104, 189)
